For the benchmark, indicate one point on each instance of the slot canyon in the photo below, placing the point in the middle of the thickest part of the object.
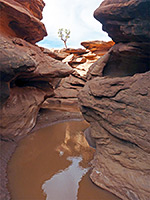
(87, 109)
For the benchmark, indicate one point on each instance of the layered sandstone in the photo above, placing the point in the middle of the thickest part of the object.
(98, 47)
(118, 111)
(80, 60)
(22, 19)
(116, 101)
(125, 20)
(28, 76)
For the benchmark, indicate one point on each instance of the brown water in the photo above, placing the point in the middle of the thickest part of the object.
(53, 164)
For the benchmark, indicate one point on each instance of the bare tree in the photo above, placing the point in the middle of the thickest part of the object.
(64, 35)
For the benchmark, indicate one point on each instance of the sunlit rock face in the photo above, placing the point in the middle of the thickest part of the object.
(116, 101)
(28, 76)
(98, 47)
(80, 60)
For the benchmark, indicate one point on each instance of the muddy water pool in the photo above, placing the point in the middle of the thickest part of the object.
(54, 164)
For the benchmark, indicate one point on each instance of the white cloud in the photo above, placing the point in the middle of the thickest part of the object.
(76, 15)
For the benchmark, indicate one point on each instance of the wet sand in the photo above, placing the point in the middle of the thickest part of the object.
(53, 162)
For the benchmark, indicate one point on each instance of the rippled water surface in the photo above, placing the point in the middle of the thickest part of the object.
(53, 164)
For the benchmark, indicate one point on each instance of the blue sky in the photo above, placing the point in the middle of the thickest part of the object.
(76, 15)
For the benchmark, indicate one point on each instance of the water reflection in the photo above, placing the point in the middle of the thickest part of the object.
(75, 144)
(54, 161)
(64, 185)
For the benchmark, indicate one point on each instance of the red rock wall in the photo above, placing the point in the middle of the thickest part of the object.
(28, 76)
(34, 6)
(125, 20)
(22, 19)
(116, 101)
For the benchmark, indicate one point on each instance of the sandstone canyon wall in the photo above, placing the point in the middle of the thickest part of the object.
(116, 101)
(28, 76)
(80, 60)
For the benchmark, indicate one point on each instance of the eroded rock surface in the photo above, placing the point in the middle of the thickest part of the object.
(22, 19)
(80, 60)
(118, 111)
(116, 101)
(98, 47)
(125, 20)
(123, 59)
(28, 76)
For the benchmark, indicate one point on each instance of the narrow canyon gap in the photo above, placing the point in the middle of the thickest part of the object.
(109, 81)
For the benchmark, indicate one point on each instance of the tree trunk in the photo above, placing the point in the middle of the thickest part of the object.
(65, 44)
